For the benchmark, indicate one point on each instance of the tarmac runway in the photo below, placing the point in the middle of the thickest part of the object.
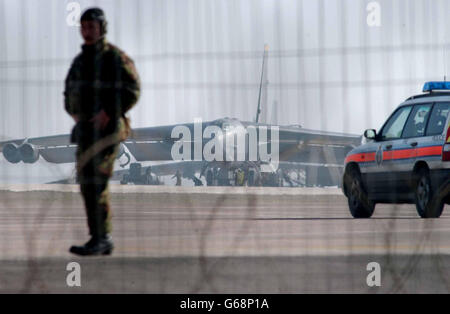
(220, 240)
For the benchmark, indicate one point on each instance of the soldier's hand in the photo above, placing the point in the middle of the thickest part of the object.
(100, 120)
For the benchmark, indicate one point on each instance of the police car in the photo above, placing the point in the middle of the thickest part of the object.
(407, 161)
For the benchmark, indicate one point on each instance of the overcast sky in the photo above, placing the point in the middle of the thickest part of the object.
(327, 68)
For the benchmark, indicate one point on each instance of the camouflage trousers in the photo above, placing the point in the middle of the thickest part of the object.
(93, 174)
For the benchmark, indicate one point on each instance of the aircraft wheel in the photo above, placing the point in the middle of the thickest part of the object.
(251, 178)
(148, 179)
(124, 180)
(209, 178)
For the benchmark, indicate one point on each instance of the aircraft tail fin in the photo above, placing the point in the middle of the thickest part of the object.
(262, 96)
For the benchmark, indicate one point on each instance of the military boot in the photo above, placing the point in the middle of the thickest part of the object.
(95, 246)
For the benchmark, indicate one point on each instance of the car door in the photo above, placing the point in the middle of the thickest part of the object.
(429, 148)
(382, 180)
(405, 155)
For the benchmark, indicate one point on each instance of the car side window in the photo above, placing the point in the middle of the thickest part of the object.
(417, 121)
(394, 127)
(438, 119)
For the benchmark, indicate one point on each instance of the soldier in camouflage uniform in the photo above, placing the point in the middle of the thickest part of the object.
(101, 86)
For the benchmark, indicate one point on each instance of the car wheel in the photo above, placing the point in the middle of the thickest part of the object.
(358, 201)
(426, 206)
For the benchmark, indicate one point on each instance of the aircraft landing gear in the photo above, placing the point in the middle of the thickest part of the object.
(210, 177)
(135, 176)
(251, 180)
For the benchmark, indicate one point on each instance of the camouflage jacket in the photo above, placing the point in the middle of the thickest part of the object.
(102, 77)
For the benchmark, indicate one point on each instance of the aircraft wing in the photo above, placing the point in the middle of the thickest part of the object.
(155, 144)
(145, 144)
(54, 149)
(56, 140)
(312, 146)
(292, 133)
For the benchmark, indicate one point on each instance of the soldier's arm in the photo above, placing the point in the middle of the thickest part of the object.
(128, 80)
(71, 92)
(131, 87)
(67, 105)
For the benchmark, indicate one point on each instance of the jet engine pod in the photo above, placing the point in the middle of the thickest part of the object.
(11, 153)
(29, 153)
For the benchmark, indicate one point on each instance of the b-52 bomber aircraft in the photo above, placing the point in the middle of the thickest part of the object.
(224, 152)
(266, 154)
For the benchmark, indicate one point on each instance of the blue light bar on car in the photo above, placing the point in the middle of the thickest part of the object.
(431, 86)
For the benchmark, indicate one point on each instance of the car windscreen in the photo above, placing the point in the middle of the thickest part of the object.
(394, 126)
